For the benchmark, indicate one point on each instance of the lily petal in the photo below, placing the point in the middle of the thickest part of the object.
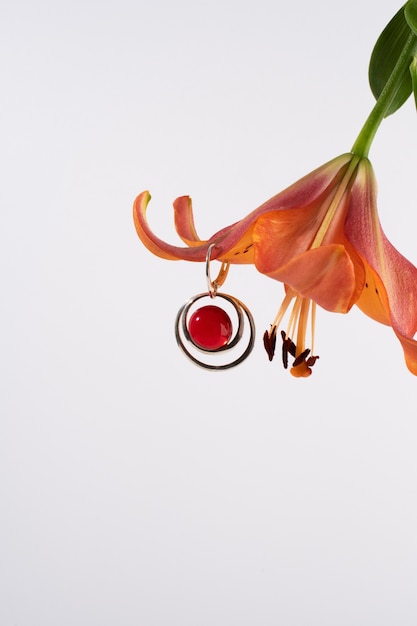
(325, 275)
(158, 246)
(233, 243)
(390, 272)
(184, 221)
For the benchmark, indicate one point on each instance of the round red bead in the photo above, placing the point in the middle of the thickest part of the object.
(210, 327)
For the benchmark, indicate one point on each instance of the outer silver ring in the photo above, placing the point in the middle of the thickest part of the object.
(182, 333)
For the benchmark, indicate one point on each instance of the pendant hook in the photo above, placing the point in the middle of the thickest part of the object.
(213, 285)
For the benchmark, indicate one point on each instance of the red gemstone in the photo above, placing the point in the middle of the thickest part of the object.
(210, 327)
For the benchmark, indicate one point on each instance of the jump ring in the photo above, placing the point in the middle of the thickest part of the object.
(213, 285)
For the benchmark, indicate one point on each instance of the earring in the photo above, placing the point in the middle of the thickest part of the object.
(211, 330)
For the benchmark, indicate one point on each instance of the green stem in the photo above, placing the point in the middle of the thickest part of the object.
(366, 136)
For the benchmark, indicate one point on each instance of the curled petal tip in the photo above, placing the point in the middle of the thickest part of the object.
(145, 234)
(144, 196)
(184, 221)
(195, 250)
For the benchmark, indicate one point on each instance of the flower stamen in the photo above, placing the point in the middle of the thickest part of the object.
(302, 309)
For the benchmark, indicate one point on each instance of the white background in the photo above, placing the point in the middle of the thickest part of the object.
(135, 488)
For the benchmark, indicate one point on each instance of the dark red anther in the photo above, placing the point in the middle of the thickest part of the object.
(290, 344)
(288, 347)
(270, 339)
(284, 351)
(301, 357)
(311, 360)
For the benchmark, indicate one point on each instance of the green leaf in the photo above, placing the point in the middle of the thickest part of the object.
(413, 72)
(384, 57)
(410, 13)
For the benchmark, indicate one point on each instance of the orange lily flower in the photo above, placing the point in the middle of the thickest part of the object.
(321, 237)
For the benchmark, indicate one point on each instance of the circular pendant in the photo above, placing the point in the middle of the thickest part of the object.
(213, 331)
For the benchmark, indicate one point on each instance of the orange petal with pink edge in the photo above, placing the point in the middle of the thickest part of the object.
(158, 246)
(325, 275)
(386, 266)
(279, 236)
(285, 224)
(235, 242)
(232, 243)
(184, 221)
